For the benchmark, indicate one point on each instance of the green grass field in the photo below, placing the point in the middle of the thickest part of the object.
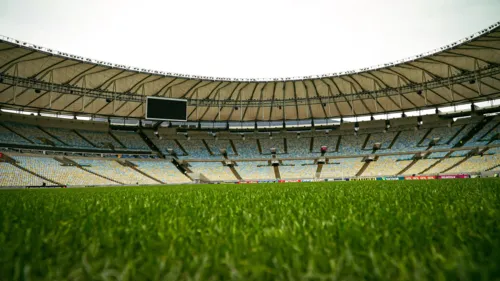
(411, 230)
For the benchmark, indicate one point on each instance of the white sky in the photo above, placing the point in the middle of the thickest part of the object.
(245, 39)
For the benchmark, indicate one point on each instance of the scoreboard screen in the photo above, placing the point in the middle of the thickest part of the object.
(166, 109)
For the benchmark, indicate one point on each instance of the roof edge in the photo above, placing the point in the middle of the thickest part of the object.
(65, 55)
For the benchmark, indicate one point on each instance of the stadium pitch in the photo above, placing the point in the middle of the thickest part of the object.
(410, 230)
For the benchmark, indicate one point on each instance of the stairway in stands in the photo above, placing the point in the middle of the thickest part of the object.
(472, 132)
(16, 133)
(134, 167)
(151, 144)
(235, 173)
(408, 167)
(437, 162)
(318, 171)
(362, 170)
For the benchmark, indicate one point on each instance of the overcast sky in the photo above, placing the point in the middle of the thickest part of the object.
(251, 39)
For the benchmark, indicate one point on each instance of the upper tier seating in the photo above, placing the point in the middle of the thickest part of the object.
(328, 140)
(408, 140)
(100, 139)
(32, 133)
(196, 149)
(251, 171)
(446, 135)
(67, 175)
(131, 140)
(7, 136)
(115, 171)
(69, 137)
(339, 168)
(214, 171)
(266, 145)
(164, 144)
(352, 144)
(485, 134)
(162, 170)
(298, 147)
(299, 171)
(247, 149)
(216, 145)
(385, 139)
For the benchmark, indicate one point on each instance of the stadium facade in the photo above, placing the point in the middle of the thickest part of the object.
(69, 120)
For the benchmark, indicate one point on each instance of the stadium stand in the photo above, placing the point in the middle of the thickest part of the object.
(106, 169)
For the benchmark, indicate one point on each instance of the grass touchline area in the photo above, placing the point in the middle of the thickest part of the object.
(376, 230)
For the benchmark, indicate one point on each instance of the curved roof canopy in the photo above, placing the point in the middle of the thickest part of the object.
(38, 78)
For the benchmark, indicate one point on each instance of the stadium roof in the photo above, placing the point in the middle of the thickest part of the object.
(33, 77)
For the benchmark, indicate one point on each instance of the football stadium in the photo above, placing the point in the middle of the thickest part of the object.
(113, 172)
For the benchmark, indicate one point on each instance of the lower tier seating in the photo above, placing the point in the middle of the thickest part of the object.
(420, 166)
(301, 170)
(252, 171)
(346, 167)
(214, 171)
(162, 170)
(67, 175)
(385, 166)
(444, 164)
(13, 176)
(115, 171)
(477, 164)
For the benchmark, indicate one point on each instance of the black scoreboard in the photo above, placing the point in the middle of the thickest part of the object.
(166, 109)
